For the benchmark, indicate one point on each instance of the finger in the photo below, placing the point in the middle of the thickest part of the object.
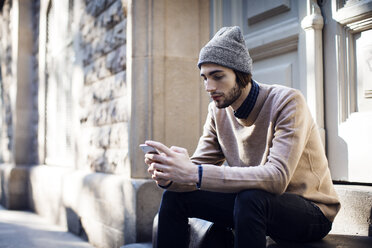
(160, 175)
(159, 146)
(157, 176)
(160, 167)
(179, 149)
(148, 161)
(157, 158)
(150, 170)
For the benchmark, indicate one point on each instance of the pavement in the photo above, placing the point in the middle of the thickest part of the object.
(24, 229)
(21, 229)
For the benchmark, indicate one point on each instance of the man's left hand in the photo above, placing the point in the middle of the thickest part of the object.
(172, 164)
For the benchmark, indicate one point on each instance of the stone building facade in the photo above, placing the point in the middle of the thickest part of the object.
(83, 83)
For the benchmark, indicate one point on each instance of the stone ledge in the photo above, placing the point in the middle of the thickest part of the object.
(13, 186)
(112, 202)
(110, 210)
(331, 241)
(138, 245)
(355, 215)
(351, 227)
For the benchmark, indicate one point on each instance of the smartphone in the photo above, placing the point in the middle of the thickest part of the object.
(148, 149)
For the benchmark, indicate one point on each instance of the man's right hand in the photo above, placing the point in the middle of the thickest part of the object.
(160, 182)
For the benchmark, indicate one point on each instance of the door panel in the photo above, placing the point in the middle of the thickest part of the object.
(273, 36)
(278, 70)
(348, 86)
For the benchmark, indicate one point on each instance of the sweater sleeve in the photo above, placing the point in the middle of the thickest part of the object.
(292, 126)
(208, 151)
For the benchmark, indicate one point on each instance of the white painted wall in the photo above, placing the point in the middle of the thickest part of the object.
(326, 52)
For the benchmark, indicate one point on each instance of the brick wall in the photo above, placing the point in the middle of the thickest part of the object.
(103, 102)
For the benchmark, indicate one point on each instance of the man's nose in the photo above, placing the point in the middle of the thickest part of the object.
(209, 86)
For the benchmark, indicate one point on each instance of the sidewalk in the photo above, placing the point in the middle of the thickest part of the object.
(20, 229)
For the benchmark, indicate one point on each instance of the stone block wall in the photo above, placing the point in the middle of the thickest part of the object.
(104, 101)
(6, 80)
(9, 83)
(34, 158)
(104, 192)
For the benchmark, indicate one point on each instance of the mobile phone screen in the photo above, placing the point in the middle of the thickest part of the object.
(148, 149)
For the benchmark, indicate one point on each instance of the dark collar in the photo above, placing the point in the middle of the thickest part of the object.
(245, 109)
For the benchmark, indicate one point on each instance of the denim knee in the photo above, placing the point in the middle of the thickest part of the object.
(251, 201)
(250, 196)
(169, 199)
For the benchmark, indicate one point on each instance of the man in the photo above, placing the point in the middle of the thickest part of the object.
(277, 181)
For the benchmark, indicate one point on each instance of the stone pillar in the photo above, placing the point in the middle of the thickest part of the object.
(23, 138)
(42, 82)
(313, 25)
(168, 102)
(14, 179)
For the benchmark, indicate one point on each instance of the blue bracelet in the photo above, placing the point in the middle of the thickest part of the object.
(200, 172)
(165, 186)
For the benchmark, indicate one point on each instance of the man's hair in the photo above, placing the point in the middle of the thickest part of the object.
(242, 78)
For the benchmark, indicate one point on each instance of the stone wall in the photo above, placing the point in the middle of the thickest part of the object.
(104, 194)
(34, 158)
(104, 102)
(9, 89)
(7, 74)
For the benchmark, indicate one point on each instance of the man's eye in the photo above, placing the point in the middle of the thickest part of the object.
(218, 77)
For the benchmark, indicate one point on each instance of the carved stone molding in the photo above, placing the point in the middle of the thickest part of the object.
(278, 47)
(357, 15)
(314, 18)
(361, 25)
(275, 40)
(261, 10)
(313, 25)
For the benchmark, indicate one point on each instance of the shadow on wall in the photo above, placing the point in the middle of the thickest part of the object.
(370, 225)
(1, 5)
(74, 223)
(3, 197)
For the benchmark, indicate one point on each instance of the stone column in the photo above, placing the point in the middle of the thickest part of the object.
(42, 82)
(22, 54)
(168, 102)
(14, 182)
(313, 25)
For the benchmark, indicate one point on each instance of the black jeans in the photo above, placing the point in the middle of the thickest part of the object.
(253, 214)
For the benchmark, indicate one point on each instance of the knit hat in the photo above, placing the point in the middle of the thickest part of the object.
(227, 48)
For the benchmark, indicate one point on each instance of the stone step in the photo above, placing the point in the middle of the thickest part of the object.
(138, 245)
(351, 228)
(355, 214)
(331, 241)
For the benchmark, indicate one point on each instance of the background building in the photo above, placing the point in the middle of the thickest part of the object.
(84, 82)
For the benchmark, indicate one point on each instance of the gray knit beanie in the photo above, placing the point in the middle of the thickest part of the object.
(227, 48)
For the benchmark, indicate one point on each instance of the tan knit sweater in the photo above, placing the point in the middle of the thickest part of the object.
(277, 149)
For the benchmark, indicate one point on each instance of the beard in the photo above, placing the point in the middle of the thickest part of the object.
(229, 98)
